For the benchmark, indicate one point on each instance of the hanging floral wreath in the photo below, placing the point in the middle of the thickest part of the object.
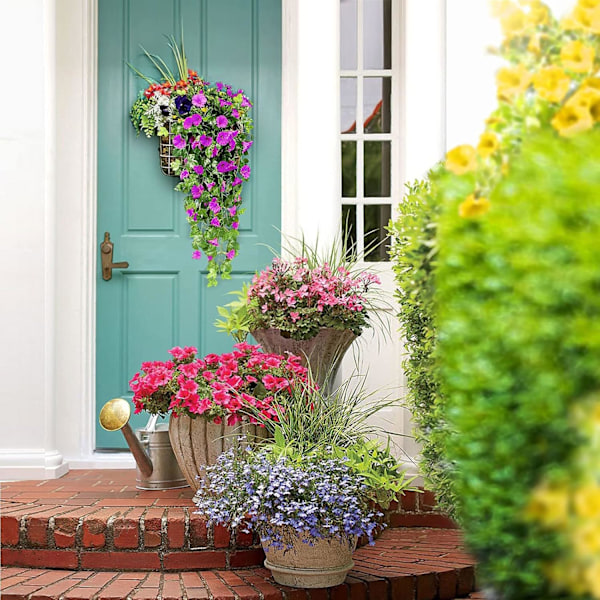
(209, 129)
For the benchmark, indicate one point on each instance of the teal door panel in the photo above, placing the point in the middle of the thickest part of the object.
(162, 299)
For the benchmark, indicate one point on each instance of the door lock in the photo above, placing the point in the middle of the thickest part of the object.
(106, 252)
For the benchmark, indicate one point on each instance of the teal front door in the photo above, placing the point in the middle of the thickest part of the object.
(161, 300)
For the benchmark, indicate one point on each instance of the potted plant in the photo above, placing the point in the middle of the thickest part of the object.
(313, 306)
(204, 139)
(310, 490)
(210, 399)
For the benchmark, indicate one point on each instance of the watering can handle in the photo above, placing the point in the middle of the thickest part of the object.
(151, 426)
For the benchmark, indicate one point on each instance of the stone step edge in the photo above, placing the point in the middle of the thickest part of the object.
(247, 584)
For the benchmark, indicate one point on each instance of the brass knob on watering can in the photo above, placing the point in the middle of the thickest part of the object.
(114, 416)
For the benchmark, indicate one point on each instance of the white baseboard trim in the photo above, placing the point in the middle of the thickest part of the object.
(19, 465)
(102, 460)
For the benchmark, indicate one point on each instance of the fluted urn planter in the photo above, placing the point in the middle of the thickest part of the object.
(323, 352)
(311, 562)
(197, 443)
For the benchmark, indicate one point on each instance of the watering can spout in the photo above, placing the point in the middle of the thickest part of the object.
(114, 416)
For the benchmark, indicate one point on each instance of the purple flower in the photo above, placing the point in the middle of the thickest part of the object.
(219, 85)
(195, 142)
(215, 151)
(214, 242)
(209, 257)
(246, 146)
(221, 121)
(223, 137)
(235, 113)
(245, 171)
(210, 185)
(230, 254)
(214, 206)
(205, 140)
(245, 102)
(236, 181)
(232, 210)
(178, 142)
(199, 169)
(183, 104)
(231, 145)
(190, 212)
(196, 191)
(215, 222)
(184, 174)
(224, 103)
(225, 166)
(235, 225)
(194, 119)
(199, 99)
(197, 254)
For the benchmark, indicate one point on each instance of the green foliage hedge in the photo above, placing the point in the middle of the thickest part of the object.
(414, 254)
(518, 307)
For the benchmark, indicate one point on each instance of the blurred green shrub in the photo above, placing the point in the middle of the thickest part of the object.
(518, 316)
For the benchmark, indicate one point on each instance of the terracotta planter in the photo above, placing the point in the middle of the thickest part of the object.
(197, 443)
(319, 564)
(322, 352)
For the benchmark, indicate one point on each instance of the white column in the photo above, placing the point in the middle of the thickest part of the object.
(27, 242)
(311, 186)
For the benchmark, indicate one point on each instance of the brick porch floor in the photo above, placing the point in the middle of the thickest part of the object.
(92, 535)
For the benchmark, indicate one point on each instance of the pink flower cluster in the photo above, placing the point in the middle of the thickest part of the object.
(217, 386)
(287, 293)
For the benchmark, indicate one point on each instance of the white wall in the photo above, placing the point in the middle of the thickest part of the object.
(27, 300)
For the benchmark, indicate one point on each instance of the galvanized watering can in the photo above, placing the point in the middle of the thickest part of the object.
(157, 468)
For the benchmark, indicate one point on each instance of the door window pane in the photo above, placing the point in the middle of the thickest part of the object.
(349, 229)
(376, 104)
(377, 31)
(348, 34)
(348, 104)
(377, 241)
(377, 169)
(349, 169)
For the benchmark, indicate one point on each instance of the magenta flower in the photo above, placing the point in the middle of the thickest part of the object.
(205, 140)
(231, 145)
(196, 192)
(230, 254)
(235, 225)
(225, 166)
(223, 137)
(210, 185)
(195, 142)
(199, 99)
(214, 242)
(245, 102)
(213, 206)
(194, 119)
(235, 113)
(236, 181)
(219, 85)
(184, 174)
(232, 210)
(197, 254)
(178, 142)
(245, 171)
(221, 121)
(215, 151)
(215, 222)
(246, 146)
(199, 169)
(209, 257)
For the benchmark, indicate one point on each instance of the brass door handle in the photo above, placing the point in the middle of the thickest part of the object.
(106, 252)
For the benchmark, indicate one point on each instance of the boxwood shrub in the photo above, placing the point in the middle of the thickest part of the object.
(518, 307)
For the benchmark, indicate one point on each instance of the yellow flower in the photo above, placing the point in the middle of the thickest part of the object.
(568, 23)
(587, 501)
(534, 45)
(592, 578)
(586, 538)
(571, 120)
(577, 56)
(461, 159)
(539, 13)
(589, 3)
(512, 81)
(588, 18)
(513, 22)
(499, 8)
(587, 98)
(551, 83)
(488, 144)
(473, 207)
(549, 505)
(590, 82)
